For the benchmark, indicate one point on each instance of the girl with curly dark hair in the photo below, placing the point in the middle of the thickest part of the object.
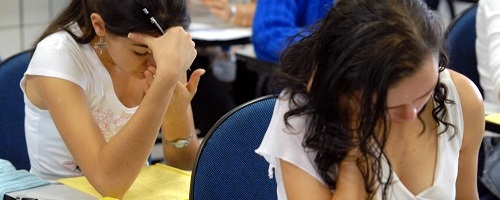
(369, 110)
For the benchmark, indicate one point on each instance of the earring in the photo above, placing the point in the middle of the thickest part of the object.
(100, 45)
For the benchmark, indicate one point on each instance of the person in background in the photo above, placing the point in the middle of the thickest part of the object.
(276, 21)
(215, 96)
(238, 13)
(488, 64)
(104, 77)
(371, 112)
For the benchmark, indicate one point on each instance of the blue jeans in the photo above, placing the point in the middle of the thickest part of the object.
(491, 172)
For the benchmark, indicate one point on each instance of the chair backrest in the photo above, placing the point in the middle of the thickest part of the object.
(227, 166)
(12, 138)
(461, 44)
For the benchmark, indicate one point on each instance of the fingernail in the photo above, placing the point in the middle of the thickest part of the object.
(128, 35)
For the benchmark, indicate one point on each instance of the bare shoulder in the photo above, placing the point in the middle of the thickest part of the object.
(469, 94)
(472, 109)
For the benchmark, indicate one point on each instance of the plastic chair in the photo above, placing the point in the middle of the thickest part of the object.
(461, 41)
(12, 138)
(227, 166)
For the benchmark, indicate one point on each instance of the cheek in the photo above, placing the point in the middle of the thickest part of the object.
(394, 113)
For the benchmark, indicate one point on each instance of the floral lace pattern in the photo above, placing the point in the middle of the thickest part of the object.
(73, 167)
(110, 122)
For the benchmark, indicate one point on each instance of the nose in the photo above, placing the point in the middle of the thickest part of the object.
(151, 61)
(405, 114)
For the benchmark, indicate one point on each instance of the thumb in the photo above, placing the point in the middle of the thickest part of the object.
(141, 38)
(194, 80)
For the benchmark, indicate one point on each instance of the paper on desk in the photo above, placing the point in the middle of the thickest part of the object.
(493, 118)
(158, 181)
(201, 31)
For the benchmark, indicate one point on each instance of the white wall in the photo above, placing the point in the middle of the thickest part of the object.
(22, 21)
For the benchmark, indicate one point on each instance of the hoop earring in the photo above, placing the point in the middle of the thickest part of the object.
(100, 45)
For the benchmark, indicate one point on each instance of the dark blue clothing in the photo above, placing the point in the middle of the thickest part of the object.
(275, 21)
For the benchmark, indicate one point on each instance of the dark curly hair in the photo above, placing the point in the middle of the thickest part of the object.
(363, 47)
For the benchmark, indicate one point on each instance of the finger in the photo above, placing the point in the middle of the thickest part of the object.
(194, 80)
(141, 38)
(145, 86)
(149, 77)
(152, 69)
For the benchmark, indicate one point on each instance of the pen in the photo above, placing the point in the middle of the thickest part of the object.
(153, 21)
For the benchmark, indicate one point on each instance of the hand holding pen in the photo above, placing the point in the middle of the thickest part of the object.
(173, 51)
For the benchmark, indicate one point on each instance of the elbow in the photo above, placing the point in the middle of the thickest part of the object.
(111, 187)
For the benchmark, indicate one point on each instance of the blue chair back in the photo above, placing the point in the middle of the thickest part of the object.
(227, 166)
(461, 41)
(12, 138)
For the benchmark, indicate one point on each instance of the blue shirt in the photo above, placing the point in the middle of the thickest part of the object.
(276, 21)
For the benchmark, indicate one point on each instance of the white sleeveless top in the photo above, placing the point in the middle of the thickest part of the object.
(278, 143)
(60, 56)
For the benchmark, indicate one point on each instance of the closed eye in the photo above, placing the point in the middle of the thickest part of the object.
(141, 54)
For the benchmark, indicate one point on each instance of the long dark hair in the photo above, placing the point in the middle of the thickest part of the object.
(359, 51)
(120, 16)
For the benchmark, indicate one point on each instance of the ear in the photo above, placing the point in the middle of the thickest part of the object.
(98, 24)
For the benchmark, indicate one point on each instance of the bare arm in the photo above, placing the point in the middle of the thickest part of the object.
(301, 185)
(473, 114)
(178, 124)
(243, 12)
(113, 166)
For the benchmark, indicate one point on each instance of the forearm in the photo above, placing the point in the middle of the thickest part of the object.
(244, 14)
(121, 159)
(179, 125)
